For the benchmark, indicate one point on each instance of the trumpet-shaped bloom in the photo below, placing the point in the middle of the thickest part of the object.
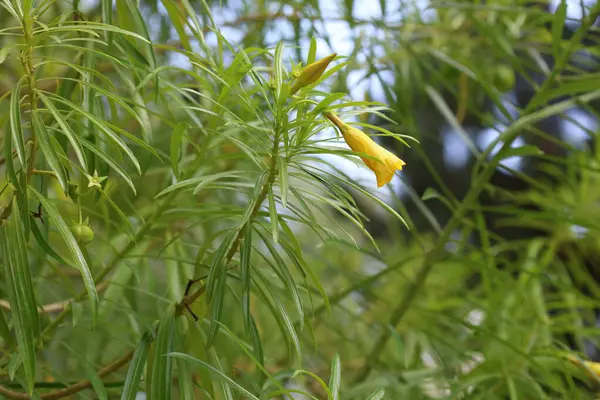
(383, 163)
(311, 73)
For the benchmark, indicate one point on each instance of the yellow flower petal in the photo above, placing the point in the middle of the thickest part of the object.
(384, 164)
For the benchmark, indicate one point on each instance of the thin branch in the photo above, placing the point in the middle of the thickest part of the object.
(188, 300)
(75, 388)
(54, 307)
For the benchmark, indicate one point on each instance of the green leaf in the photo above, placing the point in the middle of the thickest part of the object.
(567, 88)
(430, 193)
(90, 372)
(376, 395)
(76, 253)
(175, 146)
(105, 128)
(66, 130)
(89, 100)
(284, 185)
(136, 23)
(16, 126)
(312, 51)
(245, 256)
(186, 383)
(216, 284)
(215, 372)
(10, 166)
(13, 365)
(336, 376)
(87, 27)
(136, 367)
(23, 201)
(76, 312)
(178, 22)
(282, 316)
(558, 24)
(162, 368)
(283, 273)
(200, 182)
(323, 104)
(149, 367)
(522, 151)
(49, 151)
(443, 108)
(107, 11)
(21, 293)
(117, 209)
(5, 332)
(273, 216)
(278, 74)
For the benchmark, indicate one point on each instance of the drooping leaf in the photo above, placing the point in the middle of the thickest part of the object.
(23, 304)
(162, 368)
(16, 126)
(73, 247)
(47, 147)
(136, 367)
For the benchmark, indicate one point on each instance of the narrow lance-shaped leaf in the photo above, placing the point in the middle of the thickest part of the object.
(336, 374)
(89, 371)
(66, 129)
(22, 299)
(5, 331)
(16, 126)
(76, 253)
(104, 128)
(8, 157)
(245, 254)
(175, 146)
(216, 372)
(558, 25)
(88, 102)
(162, 366)
(377, 395)
(48, 149)
(136, 367)
(107, 10)
(273, 215)
(312, 51)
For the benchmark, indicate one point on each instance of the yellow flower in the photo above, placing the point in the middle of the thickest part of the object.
(384, 163)
(593, 367)
(311, 73)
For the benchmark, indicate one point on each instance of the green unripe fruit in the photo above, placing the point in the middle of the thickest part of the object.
(504, 78)
(82, 233)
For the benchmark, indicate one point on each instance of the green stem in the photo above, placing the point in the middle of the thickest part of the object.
(272, 174)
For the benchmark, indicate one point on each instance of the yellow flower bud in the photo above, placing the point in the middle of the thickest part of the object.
(384, 163)
(311, 73)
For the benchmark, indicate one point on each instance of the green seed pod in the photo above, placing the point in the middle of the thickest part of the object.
(311, 73)
(504, 78)
(82, 232)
